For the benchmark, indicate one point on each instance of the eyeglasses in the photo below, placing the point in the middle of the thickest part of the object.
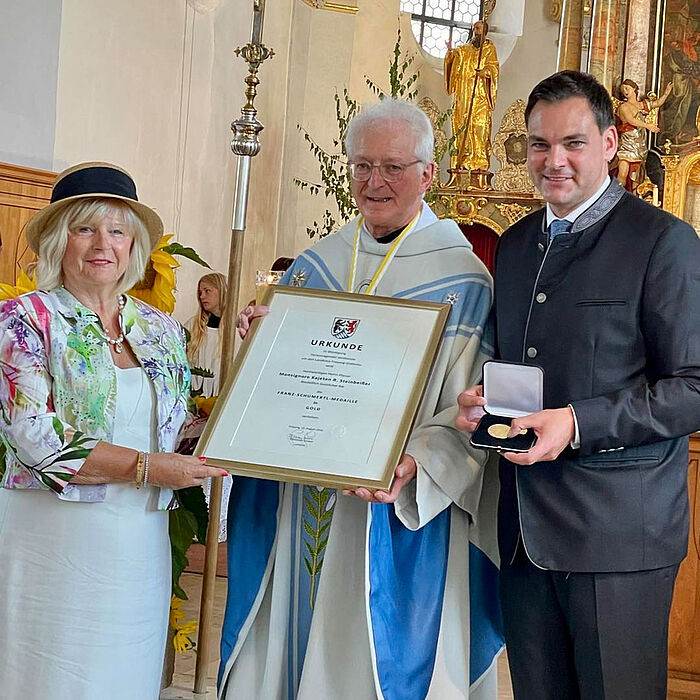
(390, 172)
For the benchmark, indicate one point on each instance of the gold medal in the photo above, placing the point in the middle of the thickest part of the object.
(500, 431)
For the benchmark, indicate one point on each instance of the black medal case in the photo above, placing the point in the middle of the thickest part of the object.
(511, 390)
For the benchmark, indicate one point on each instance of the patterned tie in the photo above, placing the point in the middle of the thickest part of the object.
(559, 226)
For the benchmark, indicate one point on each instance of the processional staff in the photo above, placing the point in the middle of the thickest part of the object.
(245, 144)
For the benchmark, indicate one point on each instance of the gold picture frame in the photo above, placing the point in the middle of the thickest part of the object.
(325, 389)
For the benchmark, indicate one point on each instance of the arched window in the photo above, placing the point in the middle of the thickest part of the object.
(435, 22)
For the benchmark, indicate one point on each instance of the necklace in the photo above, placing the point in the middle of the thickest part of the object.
(118, 342)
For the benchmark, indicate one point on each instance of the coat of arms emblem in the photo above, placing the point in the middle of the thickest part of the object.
(344, 327)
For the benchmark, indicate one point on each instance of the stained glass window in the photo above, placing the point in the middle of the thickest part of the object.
(435, 22)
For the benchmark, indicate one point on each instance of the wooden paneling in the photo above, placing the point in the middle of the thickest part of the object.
(684, 632)
(23, 191)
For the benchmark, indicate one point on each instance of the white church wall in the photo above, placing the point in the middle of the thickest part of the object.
(270, 215)
(153, 87)
(29, 42)
(320, 63)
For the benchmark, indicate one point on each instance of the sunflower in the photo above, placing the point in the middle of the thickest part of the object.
(158, 284)
(24, 284)
(182, 640)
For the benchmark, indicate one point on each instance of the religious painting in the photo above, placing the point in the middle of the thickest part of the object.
(680, 66)
(516, 149)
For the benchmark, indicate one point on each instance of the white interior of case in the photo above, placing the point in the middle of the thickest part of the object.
(512, 390)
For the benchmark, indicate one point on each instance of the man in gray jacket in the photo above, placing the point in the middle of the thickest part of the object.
(603, 292)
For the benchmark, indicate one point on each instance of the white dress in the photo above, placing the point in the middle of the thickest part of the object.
(85, 587)
(207, 358)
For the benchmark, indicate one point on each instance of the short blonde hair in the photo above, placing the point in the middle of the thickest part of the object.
(88, 212)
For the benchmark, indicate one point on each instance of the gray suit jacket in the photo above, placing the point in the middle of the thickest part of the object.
(611, 312)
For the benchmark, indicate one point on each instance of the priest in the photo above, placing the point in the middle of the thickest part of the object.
(385, 594)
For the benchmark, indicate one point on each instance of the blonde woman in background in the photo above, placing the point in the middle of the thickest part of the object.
(206, 333)
(204, 351)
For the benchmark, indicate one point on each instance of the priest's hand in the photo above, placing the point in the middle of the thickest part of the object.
(555, 430)
(405, 472)
(471, 404)
(244, 318)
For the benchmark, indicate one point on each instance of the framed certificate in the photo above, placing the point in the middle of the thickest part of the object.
(325, 388)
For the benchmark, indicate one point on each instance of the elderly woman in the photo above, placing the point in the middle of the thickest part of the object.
(93, 391)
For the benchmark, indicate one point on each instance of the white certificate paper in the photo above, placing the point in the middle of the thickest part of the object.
(326, 389)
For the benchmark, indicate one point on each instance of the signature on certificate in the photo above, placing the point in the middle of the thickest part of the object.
(301, 437)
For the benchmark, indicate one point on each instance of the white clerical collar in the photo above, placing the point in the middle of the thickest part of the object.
(573, 215)
(427, 217)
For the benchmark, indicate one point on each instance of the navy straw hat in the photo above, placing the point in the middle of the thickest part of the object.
(93, 181)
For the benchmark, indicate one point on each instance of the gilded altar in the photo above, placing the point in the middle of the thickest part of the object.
(484, 213)
(682, 182)
(491, 208)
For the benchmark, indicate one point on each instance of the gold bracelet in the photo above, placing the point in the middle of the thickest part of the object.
(140, 469)
(146, 457)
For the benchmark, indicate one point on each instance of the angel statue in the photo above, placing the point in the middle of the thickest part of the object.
(633, 118)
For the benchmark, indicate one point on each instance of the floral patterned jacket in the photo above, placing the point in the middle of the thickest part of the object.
(58, 387)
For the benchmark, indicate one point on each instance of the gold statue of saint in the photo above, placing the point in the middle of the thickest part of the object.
(471, 73)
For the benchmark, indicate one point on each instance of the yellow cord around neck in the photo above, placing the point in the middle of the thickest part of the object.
(387, 258)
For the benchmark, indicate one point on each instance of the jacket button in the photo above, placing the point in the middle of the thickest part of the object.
(541, 247)
(532, 352)
(541, 298)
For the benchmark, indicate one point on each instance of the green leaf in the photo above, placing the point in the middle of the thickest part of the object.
(310, 549)
(183, 526)
(180, 563)
(312, 508)
(64, 476)
(185, 252)
(193, 501)
(50, 483)
(309, 568)
(70, 455)
(309, 530)
(58, 428)
(201, 372)
(178, 592)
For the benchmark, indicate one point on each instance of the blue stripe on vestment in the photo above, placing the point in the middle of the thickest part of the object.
(485, 622)
(407, 573)
(444, 282)
(252, 528)
(321, 277)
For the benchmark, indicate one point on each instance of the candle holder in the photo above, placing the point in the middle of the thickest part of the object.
(264, 278)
